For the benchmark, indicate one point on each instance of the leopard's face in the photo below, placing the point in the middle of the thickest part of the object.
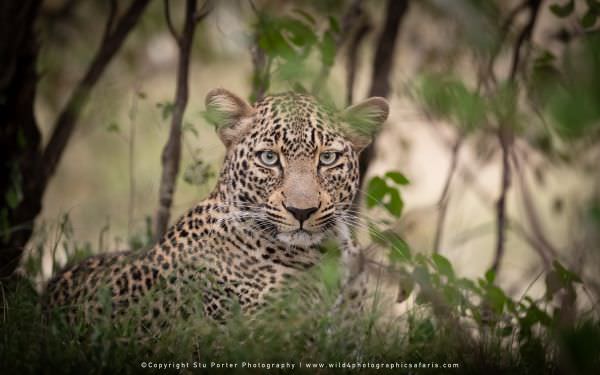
(291, 168)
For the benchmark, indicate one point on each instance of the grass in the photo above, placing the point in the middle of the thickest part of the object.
(472, 324)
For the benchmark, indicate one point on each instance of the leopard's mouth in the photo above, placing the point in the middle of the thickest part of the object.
(300, 237)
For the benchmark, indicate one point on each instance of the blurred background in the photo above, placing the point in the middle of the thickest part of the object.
(495, 113)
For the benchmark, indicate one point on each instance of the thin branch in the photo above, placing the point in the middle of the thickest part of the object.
(470, 179)
(524, 36)
(362, 30)
(445, 196)
(171, 154)
(505, 139)
(64, 11)
(382, 66)
(530, 210)
(504, 30)
(351, 15)
(204, 11)
(260, 67)
(170, 26)
(110, 20)
(505, 136)
(131, 160)
(66, 121)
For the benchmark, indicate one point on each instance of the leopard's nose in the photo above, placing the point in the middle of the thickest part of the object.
(301, 214)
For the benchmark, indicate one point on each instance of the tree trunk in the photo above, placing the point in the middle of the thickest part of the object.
(19, 134)
(27, 169)
(382, 66)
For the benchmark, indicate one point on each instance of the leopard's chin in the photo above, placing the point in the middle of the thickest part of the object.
(300, 238)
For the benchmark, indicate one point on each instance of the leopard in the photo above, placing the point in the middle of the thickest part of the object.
(288, 179)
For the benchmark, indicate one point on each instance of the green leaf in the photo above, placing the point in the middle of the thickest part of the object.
(506, 331)
(189, 127)
(452, 295)
(422, 277)
(563, 11)
(166, 109)
(397, 177)
(396, 204)
(399, 249)
(328, 49)
(272, 41)
(449, 98)
(376, 190)
(565, 275)
(594, 213)
(535, 315)
(443, 265)
(496, 298)
(589, 19)
(334, 25)
(490, 276)
(13, 198)
(299, 33)
(468, 285)
(113, 127)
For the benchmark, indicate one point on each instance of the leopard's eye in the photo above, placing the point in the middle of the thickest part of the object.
(328, 157)
(268, 158)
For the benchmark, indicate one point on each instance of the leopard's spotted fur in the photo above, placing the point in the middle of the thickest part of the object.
(259, 227)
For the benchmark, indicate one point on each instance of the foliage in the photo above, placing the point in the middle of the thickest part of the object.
(288, 42)
(381, 191)
(537, 332)
(520, 335)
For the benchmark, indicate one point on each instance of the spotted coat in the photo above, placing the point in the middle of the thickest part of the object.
(288, 180)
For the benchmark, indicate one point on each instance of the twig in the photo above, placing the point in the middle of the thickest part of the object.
(204, 11)
(110, 20)
(504, 29)
(171, 154)
(530, 210)
(444, 197)
(131, 144)
(352, 56)
(505, 137)
(352, 13)
(65, 123)
(170, 26)
(63, 12)
(260, 74)
(469, 177)
(524, 36)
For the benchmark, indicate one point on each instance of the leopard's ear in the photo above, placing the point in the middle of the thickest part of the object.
(231, 115)
(362, 120)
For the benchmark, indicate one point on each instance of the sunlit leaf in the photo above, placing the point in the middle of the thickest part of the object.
(397, 177)
(334, 24)
(328, 49)
(496, 298)
(396, 204)
(376, 190)
(443, 265)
